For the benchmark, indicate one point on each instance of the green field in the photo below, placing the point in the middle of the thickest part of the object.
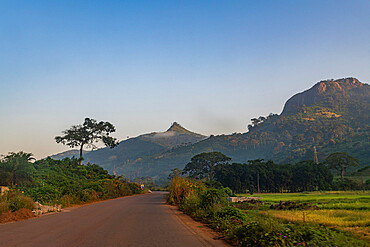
(339, 209)
(313, 196)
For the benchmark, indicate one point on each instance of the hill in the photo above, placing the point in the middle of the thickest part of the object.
(68, 154)
(135, 149)
(332, 116)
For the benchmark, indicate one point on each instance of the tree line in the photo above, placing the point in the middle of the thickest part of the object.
(268, 177)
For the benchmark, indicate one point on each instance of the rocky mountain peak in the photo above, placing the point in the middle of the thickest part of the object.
(339, 85)
(177, 127)
(335, 89)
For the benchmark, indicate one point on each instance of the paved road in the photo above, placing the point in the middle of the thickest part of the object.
(142, 220)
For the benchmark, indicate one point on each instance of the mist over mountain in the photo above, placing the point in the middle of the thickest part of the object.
(332, 116)
(68, 154)
(135, 149)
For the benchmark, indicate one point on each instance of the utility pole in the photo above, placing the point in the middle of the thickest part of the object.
(315, 155)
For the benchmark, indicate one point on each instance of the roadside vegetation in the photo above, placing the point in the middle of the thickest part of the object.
(62, 182)
(255, 224)
(296, 208)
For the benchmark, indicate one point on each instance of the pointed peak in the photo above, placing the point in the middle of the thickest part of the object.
(177, 127)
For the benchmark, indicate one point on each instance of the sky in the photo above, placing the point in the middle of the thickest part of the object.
(141, 65)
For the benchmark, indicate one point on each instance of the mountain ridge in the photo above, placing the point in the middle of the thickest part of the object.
(332, 116)
(336, 119)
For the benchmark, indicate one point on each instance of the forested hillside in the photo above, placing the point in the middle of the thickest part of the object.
(332, 116)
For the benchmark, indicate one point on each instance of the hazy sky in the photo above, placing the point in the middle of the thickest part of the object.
(209, 65)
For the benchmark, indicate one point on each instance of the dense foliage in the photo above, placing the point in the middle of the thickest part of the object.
(268, 177)
(66, 181)
(259, 176)
(203, 165)
(15, 168)
(250, 227)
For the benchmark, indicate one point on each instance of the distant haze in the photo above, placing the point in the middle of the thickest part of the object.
(141, 65)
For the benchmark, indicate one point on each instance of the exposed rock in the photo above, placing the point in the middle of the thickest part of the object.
(289, 205)
(244, 199)
(334, 88)
(40, 209)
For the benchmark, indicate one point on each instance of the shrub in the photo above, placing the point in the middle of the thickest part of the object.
(191, 204)
(213, 198)
(68, 200)
(228, 191)
(231, 213)
(4, 207)
(44, 194)
(181, 187)
(20, 201)
(93, 186)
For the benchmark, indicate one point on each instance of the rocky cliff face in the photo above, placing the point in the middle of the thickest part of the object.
(336, 89)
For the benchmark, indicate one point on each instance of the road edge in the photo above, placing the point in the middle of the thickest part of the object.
(202, 232)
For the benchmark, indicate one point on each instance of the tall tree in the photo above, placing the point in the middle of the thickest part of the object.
(87, 134)
(341, 161)
(202, 165)
(16, 168)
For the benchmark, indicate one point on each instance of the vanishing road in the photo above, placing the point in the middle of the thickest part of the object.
(143, 220)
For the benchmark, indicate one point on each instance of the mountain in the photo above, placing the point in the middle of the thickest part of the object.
(135, 149)
(68, 154)
(332, 116)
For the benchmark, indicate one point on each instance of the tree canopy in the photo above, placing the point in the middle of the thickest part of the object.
(202, 165)
(90, 132)
(16, 168)
(340, 161)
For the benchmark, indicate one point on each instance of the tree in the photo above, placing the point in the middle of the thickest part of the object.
(16, 168)
(176, 172)
(87, 134)
(202, 165)
(340, 161)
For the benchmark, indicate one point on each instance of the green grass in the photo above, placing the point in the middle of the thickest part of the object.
(346, 210)
(349, 197)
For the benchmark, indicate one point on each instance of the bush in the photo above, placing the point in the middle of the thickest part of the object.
(20, 201)
(228, 191)
(44, 194)
(180, 188)
(134, 188)
(4, 207)
(191, 204)
(213, 198)
(68, 200)
(231, 213)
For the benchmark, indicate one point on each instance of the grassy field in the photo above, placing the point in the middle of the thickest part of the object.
(339, 209)
(321, 197)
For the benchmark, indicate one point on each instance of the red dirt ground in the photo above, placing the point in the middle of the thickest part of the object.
(20, 214)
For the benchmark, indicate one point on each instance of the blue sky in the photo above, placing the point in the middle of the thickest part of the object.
(209, 65)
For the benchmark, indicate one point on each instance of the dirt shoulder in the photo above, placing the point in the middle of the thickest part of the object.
(205, 234)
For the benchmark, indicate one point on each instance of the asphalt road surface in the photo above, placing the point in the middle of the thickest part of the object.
(143, 220)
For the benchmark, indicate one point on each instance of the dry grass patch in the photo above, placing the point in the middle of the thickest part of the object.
(328, 217)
